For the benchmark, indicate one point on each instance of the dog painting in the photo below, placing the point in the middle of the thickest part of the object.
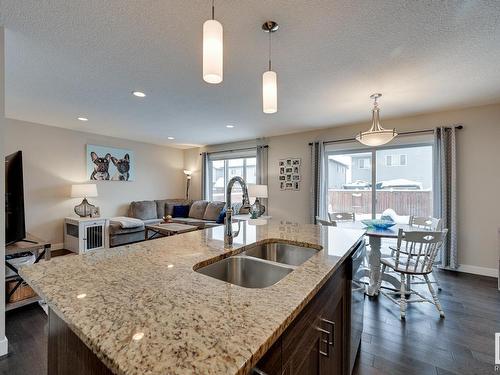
(122, 168)
(101, 166)
(109, 164)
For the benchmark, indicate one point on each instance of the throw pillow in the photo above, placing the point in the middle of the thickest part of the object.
(222, 216)
(144, 210)
(181, 211)
(213, 210)
(198, 209)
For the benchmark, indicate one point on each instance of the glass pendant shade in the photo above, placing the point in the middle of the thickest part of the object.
(270, 92)
(376, 135)
(212, 51)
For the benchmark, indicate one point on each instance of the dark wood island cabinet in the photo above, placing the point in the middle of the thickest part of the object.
(318, 341)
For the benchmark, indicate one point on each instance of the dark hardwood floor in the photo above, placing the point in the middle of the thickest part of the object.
(462, 343)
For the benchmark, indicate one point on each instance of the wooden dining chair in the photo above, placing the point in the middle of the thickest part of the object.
(427, 223)
(325, 222)
(415, 255)
(341, 216)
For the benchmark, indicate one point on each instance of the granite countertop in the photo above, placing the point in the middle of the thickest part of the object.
(189, 323)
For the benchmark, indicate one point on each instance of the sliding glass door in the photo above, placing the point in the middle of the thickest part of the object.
(350, 183)
(372, 182)
(404, 181)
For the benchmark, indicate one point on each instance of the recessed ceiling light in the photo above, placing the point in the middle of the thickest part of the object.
(81, 296)
(170, 138)
(139, 94)
(229, 126)
(82, 118)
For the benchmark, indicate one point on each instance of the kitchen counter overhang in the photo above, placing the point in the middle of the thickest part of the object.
(142, 309)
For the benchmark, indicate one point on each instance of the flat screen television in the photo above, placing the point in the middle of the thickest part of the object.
(15, 228)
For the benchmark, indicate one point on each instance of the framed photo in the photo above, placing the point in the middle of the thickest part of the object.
(289, 174)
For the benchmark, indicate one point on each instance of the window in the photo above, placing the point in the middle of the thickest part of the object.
(395, 160)
(364, 163)
(222, 169)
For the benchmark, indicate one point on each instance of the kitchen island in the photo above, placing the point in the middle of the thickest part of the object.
(143, 309)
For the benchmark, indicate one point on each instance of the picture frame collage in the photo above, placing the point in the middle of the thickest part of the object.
(289, 174)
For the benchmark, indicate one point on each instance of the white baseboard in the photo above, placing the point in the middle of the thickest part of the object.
(4, 346)
(476, 270)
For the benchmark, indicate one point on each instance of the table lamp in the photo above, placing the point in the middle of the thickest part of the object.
(258, 191)
(84, 191)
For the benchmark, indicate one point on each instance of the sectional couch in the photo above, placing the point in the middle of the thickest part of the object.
(201, 214)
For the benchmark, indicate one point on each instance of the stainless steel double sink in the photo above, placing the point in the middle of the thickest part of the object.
(260, 265)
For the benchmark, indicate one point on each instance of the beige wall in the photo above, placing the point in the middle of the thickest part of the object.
(478, 176)
(54, 158)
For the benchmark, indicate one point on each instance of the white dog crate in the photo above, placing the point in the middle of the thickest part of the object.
(82, 234)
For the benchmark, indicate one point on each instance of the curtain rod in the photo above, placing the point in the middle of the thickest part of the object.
(403, 133)
(237, 149)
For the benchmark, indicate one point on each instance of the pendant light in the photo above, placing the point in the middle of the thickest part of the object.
(270, 78)
(212, 50)
(376, 135)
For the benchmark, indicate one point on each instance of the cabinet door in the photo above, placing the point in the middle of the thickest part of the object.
(306, 360)
(332, 320)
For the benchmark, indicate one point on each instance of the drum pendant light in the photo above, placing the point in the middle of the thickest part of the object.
(212, 50)
(270, 78)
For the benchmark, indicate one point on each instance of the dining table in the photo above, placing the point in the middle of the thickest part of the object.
(375, 236)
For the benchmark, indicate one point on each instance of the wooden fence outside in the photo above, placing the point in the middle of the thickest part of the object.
(404, 202)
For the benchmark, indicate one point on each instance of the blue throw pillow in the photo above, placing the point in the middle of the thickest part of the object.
(181, 211)
(222, 216)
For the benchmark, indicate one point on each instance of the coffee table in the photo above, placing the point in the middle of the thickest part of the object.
(167, 229)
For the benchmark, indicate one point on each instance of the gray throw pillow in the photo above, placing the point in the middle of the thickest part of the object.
(198, 209)
(213, 210)
(143, 210)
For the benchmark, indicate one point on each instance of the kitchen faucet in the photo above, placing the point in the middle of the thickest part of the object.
(228, 230)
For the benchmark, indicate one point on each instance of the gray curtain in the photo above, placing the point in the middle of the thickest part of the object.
(262, 169)
(319, 189)
(445, 191)
(204, 176)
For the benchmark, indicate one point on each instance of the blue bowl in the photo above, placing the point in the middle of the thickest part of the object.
(378, 223)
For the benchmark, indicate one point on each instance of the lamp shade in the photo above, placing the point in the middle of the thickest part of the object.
(257, 191)
(187, 172)
(270, 92)
(83, 191)
(212, 51)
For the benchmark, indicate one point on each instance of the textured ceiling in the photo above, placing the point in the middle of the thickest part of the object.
(69, 58)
